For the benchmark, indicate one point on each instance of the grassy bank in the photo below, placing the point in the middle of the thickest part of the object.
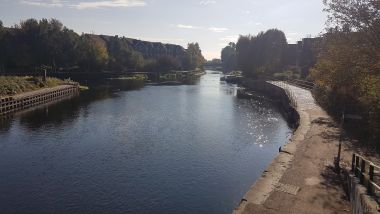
(11, 85)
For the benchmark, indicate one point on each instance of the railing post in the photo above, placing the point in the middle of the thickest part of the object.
(356, 166)
(362, 171)
(371, 174)
(353, 163)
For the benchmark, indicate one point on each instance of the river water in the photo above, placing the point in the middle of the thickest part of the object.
(160, 149)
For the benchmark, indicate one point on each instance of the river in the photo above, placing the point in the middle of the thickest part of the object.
(160, 149)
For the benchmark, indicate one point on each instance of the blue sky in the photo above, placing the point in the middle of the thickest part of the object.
(211, 23)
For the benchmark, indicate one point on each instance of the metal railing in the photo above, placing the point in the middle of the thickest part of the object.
(282, 84)
(301, 83)
(367, 172)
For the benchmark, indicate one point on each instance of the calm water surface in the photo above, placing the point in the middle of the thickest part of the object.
(160, 149)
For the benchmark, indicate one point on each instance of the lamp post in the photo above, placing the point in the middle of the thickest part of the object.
(341, 132)
(341, 136)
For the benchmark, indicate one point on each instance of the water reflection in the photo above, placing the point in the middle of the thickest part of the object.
(161, 149)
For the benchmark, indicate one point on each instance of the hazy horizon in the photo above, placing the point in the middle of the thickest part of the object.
(211, 23)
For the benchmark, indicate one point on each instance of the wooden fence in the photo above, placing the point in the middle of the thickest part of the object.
(367, 172)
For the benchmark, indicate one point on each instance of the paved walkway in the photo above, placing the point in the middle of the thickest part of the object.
(301, 178)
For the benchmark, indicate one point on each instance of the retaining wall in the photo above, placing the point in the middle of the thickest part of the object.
(361, 202)
(12, 104)
(278, 94)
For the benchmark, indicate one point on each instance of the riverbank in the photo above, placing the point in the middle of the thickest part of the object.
(12, 85)
(36, 98)
(301, 178)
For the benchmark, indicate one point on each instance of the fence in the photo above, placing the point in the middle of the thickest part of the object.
(287, 90)
(367, 172)
(301, 83)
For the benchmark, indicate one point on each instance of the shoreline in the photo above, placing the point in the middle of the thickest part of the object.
(26, 100)
(293, 176)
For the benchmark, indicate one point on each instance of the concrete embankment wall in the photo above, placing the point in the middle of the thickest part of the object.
(279, 95)
(12, 104)
(260, 191)
(302, 114)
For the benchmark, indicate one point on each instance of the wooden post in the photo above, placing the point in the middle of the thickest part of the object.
(353, 163)
(356, 166)
(371, 174)
(362, 171)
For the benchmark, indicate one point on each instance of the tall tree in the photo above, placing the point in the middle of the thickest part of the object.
(243, 54)
(347, 71)
(193, 58)
(358, 15)
(228, 57)
(262, 54)
(93, 52)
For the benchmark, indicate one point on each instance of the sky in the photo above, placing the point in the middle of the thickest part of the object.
(211, 23)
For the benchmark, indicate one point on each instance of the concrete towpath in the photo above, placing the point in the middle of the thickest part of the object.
(301, 178)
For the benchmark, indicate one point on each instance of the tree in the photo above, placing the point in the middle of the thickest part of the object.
(166, 64)
(263, 54)
(243, 53)
(33, 43)
(228, 57)
(93, 52)
(347, 72)
(193, 58)
(122, 55)
(2, 44)
(357, 15)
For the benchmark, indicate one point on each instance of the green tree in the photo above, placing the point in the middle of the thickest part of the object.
(93, 52)
(166, 64)
(347, 72)
(193, 58)
(228, 57)
(263, 54)
(2, 44)
(122, 55)
(243, 54)
(357, 15)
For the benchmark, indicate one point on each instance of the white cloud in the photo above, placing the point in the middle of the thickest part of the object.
(85, 4)
(187, 26)
(258, 23)
(213, 29)
(207, 2)
(231, 38)
(109, 3)
(218, 30)
(43, 3)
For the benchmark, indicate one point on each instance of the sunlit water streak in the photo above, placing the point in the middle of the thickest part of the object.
(161, 149)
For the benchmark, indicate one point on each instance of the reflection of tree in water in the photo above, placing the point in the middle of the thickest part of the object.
(63, 113)
(5, 123)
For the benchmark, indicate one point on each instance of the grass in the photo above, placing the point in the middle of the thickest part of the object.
(141, 77)
(11, 85)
